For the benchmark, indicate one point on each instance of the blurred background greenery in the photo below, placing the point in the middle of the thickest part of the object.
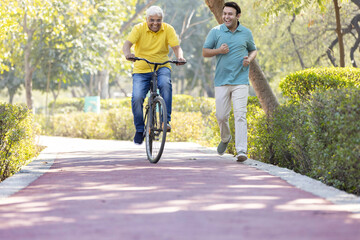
(73, 48)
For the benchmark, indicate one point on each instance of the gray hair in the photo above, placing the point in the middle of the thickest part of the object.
(154, 10)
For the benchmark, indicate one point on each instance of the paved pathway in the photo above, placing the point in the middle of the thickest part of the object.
(107, 190)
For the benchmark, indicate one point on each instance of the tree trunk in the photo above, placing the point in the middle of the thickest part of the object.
(47, 89)
(29, 69)
(216, 7)
(261, 86)
(91, 85)
(55, 96)
(294, 42)
(209, 88)
(118, 83)
(104, 84)
(339, 33)
(11, 92)
(355, 24)
(28, 77)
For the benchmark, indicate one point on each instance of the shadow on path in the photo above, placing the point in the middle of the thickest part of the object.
(108, 190)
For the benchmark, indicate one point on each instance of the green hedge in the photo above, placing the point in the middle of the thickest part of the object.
(319, 138)
(181, 103)
(116, 120)
(67, 105)
(17, 144)
(334, 145)
(186, 103)
(301, 84)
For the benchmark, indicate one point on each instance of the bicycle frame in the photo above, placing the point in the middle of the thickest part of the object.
(153, 92)
(153, 83)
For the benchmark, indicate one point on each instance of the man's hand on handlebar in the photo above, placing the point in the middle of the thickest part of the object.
(182, 61)
(130, 57)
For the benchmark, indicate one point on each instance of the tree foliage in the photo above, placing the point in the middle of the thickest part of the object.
(9, 25)
(296, 7)
(69, 43)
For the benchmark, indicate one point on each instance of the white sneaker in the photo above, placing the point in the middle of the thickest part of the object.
(241, 157)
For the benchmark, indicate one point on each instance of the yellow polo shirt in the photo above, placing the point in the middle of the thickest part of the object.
(154, 46)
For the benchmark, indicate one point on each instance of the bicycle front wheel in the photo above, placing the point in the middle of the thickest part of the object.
(156, 130)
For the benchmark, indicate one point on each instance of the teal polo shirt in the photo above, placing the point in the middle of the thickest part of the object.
(229, 67)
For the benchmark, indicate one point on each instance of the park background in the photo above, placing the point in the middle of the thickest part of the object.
(55, 54)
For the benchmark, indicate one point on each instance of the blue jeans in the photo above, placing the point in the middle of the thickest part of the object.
(141, 86)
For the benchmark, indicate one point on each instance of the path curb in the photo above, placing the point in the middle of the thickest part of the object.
(29, 173)
(344, 200)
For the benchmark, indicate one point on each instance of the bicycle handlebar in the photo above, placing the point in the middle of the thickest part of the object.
(155, 63)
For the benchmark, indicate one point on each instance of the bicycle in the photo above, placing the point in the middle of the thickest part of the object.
(155, 116)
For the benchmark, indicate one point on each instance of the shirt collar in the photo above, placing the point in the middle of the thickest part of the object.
(225, 29)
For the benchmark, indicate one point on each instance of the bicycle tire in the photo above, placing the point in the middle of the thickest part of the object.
(156, 127)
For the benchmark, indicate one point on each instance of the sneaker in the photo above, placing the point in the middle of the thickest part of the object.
(222, 147)
(241, 157)
(168, 127)
(139, 138)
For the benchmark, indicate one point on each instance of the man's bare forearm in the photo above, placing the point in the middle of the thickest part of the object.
(178, 52)
(127, 49)
(223, 49)
(208, 52)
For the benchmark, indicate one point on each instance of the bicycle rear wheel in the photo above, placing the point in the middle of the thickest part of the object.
(156, 130)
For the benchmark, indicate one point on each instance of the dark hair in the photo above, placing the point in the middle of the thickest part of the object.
(233, 5)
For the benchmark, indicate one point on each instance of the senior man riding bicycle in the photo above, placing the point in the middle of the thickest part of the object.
(152, 40)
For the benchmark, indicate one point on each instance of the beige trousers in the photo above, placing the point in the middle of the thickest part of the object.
(238, 94)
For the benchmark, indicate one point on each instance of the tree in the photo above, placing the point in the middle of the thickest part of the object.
(294, 42)
(45, 21)
(192, 20)
(102, 40)
(259, 82)
(10, 62)
(352, 26)
(296, 6)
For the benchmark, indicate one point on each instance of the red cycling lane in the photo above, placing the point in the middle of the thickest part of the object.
(98, 189)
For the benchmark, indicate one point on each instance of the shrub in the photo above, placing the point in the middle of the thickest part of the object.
(186, 103)
(301, 84)
(121, 124)
(67, 105)
(181, 103)
(186, 126)
(319, 138)
(80, 125)
(118, 124)
(282, 138)
(188, 119)
(17, 134)
(334, 145)
(107, 104)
